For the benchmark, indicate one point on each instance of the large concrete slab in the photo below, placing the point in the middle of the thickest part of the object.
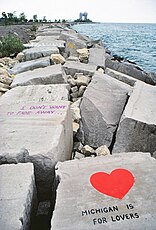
(53, 74)
(36, 93)
(129, 69)
(73, 42)
(44, 38)
(47, 41)
(97, 57)
(38, 132)
(49, 31)
(137, 129)
(101, 108)
(76, 67)
(89, 198)
(121, 76)
(30, 65)
(54, 29)
(17, 196)
(66, 35)
(60, 44)
(38, 52)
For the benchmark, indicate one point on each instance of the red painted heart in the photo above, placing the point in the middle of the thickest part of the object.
(116, 184)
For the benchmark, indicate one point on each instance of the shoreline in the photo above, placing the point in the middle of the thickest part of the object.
(117, 54)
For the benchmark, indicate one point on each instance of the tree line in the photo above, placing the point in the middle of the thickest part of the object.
(12, 18)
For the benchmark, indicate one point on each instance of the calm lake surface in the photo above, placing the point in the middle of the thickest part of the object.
(136, 42)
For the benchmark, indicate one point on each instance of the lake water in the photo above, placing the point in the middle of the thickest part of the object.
(136, 42)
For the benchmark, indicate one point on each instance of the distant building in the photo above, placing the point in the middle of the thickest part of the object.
(83, 16)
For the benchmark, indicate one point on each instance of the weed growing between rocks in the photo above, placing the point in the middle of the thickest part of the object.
(34, 28)
(10, 46)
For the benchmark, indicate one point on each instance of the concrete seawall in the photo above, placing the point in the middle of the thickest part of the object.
(64, 99)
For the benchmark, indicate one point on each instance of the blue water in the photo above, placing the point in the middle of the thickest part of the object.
(136, 42)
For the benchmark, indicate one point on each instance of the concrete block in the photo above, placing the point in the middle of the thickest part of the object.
(72, 58)
(77, 43)
(30, 65)
(57, 59)
(121, 77)
(108, 192)
(101, 108)
(38, 52)
(71, 68)
(73, 42)
(48, 41)
(49, 75)
(83, 37)
(41, 38)
(97, 57)
(36, 93)
(49, 33)
(152, 75)
(5, 80)
(129, 69)
(137, 128)
(37, 132)
(17, 196)
(66, 35)
(55, 29)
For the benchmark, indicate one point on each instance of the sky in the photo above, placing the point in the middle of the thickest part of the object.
(134, 11)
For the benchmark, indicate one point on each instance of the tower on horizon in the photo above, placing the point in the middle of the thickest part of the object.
(83, 16)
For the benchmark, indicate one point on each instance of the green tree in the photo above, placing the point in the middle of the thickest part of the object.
(10, 18)
(22, 17)
(15, 18)
(35, 18)
(4, 16)
(44, 19)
